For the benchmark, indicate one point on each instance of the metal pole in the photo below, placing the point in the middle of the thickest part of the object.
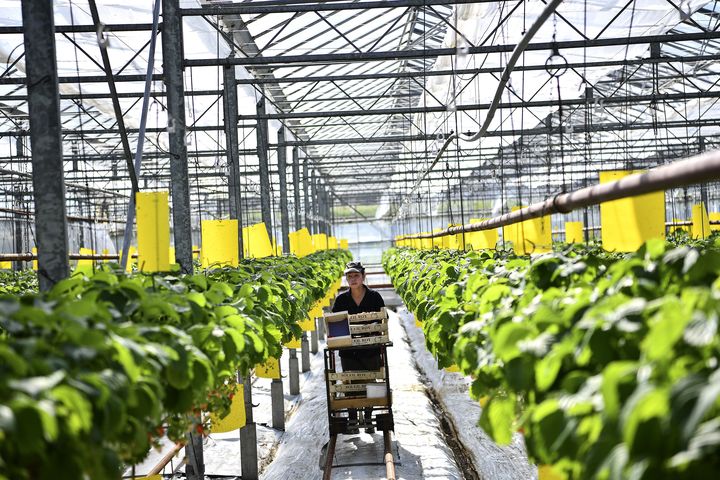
(282, 175)
(18, 225)
(277, 398)
(314, 205)
(320, 327)
(296, 185)
(195, 469)
(248, 437)
(47, 155)
(305, 353)
(231, 139)
(294, 372)
(262, 150)
(172, 46)
(306, 189)
(314, 340)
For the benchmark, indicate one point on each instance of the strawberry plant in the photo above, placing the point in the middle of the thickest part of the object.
(606, 362)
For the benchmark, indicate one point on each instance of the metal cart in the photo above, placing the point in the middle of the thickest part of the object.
(360, 391)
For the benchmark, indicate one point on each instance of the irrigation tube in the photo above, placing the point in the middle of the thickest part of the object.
(698, 169)
(517, 52)
(127, 238)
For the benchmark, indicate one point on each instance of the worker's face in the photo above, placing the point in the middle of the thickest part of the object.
(354, 279)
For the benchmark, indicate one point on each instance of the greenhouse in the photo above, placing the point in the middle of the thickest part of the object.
(359, 239)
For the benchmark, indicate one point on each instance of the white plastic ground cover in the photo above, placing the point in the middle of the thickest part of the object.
(419, 445)
(451, 390)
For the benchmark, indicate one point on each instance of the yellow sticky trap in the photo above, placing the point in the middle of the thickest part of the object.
(85, 266)
(574, 232)
(307, 325)
(714, 217)
(437, 241)
(294, 343)
(256, 241)
(171, 255)
(195, 253)
(151, 477)
(35, 262)
(235, 419)
(483, 401)
(153, 231)
(629, 222)
(452, 369)
(320, 241)
(132, 251)
(548, 472)
(676, 228)
(531, 236)
(484, 239)
(269, 369)
(332, 243)
(426, 243)
(5, 265)
(344, 243)
(700, 221)
(418, 323)
(219, 243)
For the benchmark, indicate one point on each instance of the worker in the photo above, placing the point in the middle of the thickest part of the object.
(359, 299)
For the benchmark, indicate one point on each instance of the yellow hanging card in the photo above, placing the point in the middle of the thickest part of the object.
(235, 419)
(531, 236)
(700, 221)
(307, 325)
(629, 222)
(574, 232)
(452, 369)
(219, 243)
(132, 260)
(153, 231)
(85, 266)
(332, 243)
(151, 477)
(294, 343)
(677, 228)
(256, 241)
(483, 239)
(269, 369)
(320, 241)
(5, 265)
(344, 243)
(714, 217)
(195, 254)
(301, 243)
(35, 262)
(171, 255)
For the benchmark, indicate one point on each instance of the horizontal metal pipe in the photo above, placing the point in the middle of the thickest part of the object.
(117, 27)
(258, 8)
(351, 57)
(701, 168)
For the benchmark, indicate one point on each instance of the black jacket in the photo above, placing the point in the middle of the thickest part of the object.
(371, 302)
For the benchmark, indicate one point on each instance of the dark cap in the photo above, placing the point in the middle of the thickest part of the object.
(354, 267)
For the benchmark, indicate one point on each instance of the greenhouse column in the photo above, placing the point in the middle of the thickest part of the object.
(282, 170)
(314, 206)
(18, 227)
(294, 372)
(296, 185)
(231, 138)
(306, 190)
(320, 202)
(45, 136)
(180, 188)
(248, 437)
(262, 151)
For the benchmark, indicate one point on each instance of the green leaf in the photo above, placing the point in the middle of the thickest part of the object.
(78, 408)
(498, 417)
(505, 341)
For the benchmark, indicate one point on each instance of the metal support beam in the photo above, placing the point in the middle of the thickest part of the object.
(262, 152)
(47, 162)
(259, 8)
(172, 46)
(231, 138)
(294, 372)
(314, 205)
(248, 437)
(195, 469)
(282, 175)
(306, 188)
(296, 186)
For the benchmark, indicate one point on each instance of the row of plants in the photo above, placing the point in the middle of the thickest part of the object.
(606, 362)
(95, 371)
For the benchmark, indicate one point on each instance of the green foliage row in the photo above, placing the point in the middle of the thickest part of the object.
(608, 363)
(94, 371)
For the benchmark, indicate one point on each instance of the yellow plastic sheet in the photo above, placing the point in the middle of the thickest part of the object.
(153, 231)
(483, 239)
(85, 266)
(574, 232)
(219, 243)
(714, 217)
(235, 419)
(629, 222)
(256, 241)
(320, 241)
(531, 236)
(700, 221)
(269, 369)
